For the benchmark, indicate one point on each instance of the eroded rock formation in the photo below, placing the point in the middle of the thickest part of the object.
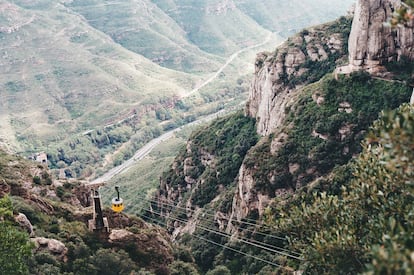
(152, 246)
(277, 75)
(373, 43)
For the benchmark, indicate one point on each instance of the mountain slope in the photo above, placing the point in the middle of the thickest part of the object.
(50, 89)
(310, 134)
(45, 222)
(142, 27)
(73, 71)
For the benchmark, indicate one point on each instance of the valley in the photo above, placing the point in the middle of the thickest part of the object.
(246, 137)
(86, 72)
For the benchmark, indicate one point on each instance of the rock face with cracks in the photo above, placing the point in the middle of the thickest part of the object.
(373, 43)
(278, 75)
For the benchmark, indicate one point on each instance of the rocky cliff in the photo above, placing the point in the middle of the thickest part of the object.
(372, 43)
(277, 86)
(300, 60)
(311, 124)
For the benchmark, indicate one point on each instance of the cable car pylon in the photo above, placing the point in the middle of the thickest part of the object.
(98, 223)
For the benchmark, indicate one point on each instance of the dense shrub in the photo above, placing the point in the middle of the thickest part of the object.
(368, 227)
(36, 180)
(15, 246)
(227, 140)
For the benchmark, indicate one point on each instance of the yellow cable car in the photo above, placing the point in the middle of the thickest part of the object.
(117, 202)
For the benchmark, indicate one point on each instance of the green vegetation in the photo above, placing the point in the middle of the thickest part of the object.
(403, 70)
(404, 15)
(323, 136)
(15, 247)
(367, 227)
(224, 143)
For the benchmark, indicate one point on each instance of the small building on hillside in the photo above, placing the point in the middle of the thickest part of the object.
(39, 157)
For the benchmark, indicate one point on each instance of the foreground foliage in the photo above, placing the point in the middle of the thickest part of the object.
(15, 247)
(369, 225)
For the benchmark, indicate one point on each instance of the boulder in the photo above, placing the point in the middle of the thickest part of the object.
(54, 247)
(24, 223)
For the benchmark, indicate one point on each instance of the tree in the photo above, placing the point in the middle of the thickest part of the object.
(6, 212)
(108, 262)
(219, 270)
(182, 268)
(369, 225)
(15, 247)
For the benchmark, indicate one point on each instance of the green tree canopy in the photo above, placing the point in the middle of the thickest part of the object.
(368, 227)
(15, 247)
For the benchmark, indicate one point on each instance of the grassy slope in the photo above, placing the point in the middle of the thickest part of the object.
(142, 27)
(50, 91)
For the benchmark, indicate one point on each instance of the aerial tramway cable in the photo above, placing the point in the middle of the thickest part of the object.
(228, 247)
(229, 219)
(268, 246)
(234, 238)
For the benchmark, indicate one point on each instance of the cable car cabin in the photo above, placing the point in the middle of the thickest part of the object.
(117, 205)
(117, 202)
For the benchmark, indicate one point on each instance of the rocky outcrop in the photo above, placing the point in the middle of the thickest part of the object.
(277, 75)
(192, 165)
(372, 43)
(54, 247)
(247, 199)
(151, 246)
(268, 94)
(24, 223)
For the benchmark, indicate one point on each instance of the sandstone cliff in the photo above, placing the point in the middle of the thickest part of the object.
(276, 87)
(312, 53)
(372, 43)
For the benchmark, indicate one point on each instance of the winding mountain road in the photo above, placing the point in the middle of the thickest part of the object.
(147, 148)
(229, 60)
